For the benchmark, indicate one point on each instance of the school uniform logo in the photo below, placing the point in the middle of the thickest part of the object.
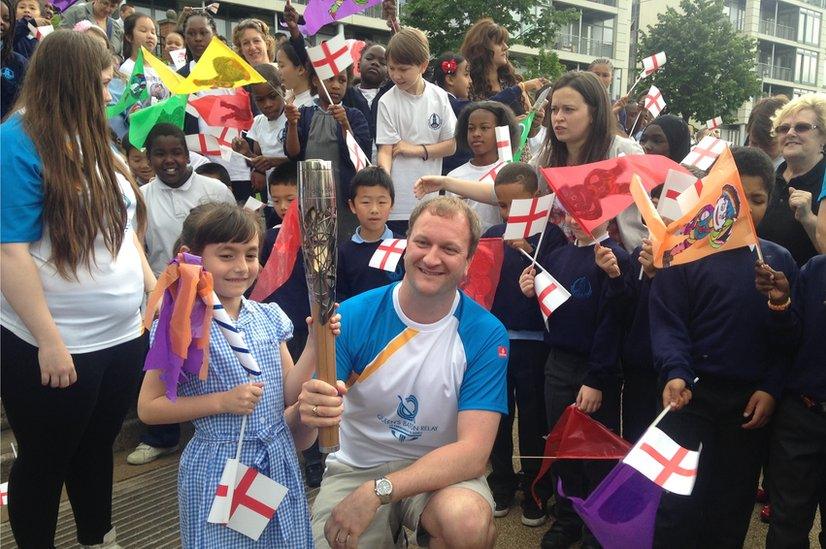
(581, 288)
(434, 121)
(7, 73)
(405, 428)
(282, 135)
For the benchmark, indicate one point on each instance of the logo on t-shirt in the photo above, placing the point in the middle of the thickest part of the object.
(405, 428)
(434, 121)
(282, 135)
(503, 353)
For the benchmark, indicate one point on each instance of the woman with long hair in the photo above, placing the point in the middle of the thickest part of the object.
(73, 279)
(485, 48)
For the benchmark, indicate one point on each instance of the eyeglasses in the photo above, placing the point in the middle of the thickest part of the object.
(800, 127)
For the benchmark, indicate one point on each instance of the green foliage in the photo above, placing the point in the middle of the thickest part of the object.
(445, 22)
(711, 67)
(545, 64)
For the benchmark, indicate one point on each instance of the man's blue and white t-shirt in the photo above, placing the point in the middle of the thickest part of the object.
(409, 381)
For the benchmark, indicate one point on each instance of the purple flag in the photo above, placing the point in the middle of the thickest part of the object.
(321, 12)
(63, 5)
(621, 511)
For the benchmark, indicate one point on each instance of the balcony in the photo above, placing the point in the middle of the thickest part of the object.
(578, 44)
(777, 72)
(773, 28)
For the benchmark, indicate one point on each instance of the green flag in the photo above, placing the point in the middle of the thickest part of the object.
(135, 90)
(170, 110)
(523, 139)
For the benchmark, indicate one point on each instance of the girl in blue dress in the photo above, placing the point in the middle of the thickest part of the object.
(228, 239)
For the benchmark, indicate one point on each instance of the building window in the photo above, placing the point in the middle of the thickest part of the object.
(806, 67)
(808, 29)
(736, 13)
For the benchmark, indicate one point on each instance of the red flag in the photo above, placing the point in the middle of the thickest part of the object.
(483, 275)
(577, 436)
(225, 111)
(280, 264)
(594, 193)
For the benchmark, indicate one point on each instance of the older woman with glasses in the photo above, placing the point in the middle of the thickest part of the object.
(791, 218)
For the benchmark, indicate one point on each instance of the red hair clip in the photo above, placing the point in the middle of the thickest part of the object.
(449, 66)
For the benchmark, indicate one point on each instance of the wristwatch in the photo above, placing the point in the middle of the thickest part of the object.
(384, 489)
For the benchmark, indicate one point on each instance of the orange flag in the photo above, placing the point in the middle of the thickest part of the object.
(719, 221)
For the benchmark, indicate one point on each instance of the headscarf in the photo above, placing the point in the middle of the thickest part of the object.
(677, 133)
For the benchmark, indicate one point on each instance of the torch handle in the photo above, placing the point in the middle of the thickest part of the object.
(325, 371)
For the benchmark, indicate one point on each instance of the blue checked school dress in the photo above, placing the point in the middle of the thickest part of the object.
(268, 445)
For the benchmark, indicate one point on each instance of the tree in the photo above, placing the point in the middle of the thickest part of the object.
(445, 22)
(711, 67)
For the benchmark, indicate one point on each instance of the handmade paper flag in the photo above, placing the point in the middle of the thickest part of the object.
(181, 344)
(503, 143)
(675, 183)
(225, 110)
(218, 67)
(549, 293)
(331, 57)
(388, 254)
(654, 102)
(525, 130)
(321, 12)
(169, 110)
(714, 123)
(281, 262)
(135, 90)
(528, 217)
(171, 79)
(704, 153)
(664, 462)
(652, 64)
(594, 193)
(357, 156)
(719, 221)
(63, 5)
(4, 494)
(178, 58)
(490, 176)
(39, 33)
(483, 272)
(355, 47)
(577, 436)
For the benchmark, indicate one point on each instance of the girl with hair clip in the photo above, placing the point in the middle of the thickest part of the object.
(13, 64)
(253, 41)
(71, 224)
(476, 134)
(199, 28)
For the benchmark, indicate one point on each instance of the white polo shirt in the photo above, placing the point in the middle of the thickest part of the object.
(166, 209)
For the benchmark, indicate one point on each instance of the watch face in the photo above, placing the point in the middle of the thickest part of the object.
(383, 487)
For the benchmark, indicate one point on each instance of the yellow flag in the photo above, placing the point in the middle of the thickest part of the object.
(171, 79)
(219, 67)
(720, 220)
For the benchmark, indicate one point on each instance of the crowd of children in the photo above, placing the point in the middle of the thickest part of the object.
(745, 378)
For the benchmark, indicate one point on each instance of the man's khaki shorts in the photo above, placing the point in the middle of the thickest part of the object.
(386, 529)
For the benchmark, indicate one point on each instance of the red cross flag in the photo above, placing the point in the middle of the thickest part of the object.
(331, 57)
(664, 461)
(689, 198)
(550, 294)
(254, 499)
(675, 183)
(704, 153)
(357, 156)
(4, 494)
(654, 101)
(388, 254)
(208, 145)
(503, 143)
(652, 64)
(490, 177)
(39, 33)
(528, 217)
(714, 123)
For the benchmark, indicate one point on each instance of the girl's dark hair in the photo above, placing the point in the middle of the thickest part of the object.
(186, 15)
(518, 172)
(270, 74)
(476, 48)
(217, 223)
(754, 162)
(291, 53)
(372, 176)
(128, 28)
(126, 145)
(438, 68)
(164, 130)
(676, 132)
(603, 127)
(215, 171)
(504, 117)
(8, 37)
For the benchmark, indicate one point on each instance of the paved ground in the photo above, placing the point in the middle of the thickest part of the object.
(146, 513)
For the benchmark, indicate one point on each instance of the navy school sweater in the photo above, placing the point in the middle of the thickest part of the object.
(293, 296)
(708, 319)
(354, 275)
(589, 324)
(510, 306)
(804, 325)
(636, 344)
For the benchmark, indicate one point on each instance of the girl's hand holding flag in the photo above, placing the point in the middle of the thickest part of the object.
(646, 258)
(773, 284)
(340, 115)
(606, 260)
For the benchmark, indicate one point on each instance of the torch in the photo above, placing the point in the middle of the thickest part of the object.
(317, 203)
